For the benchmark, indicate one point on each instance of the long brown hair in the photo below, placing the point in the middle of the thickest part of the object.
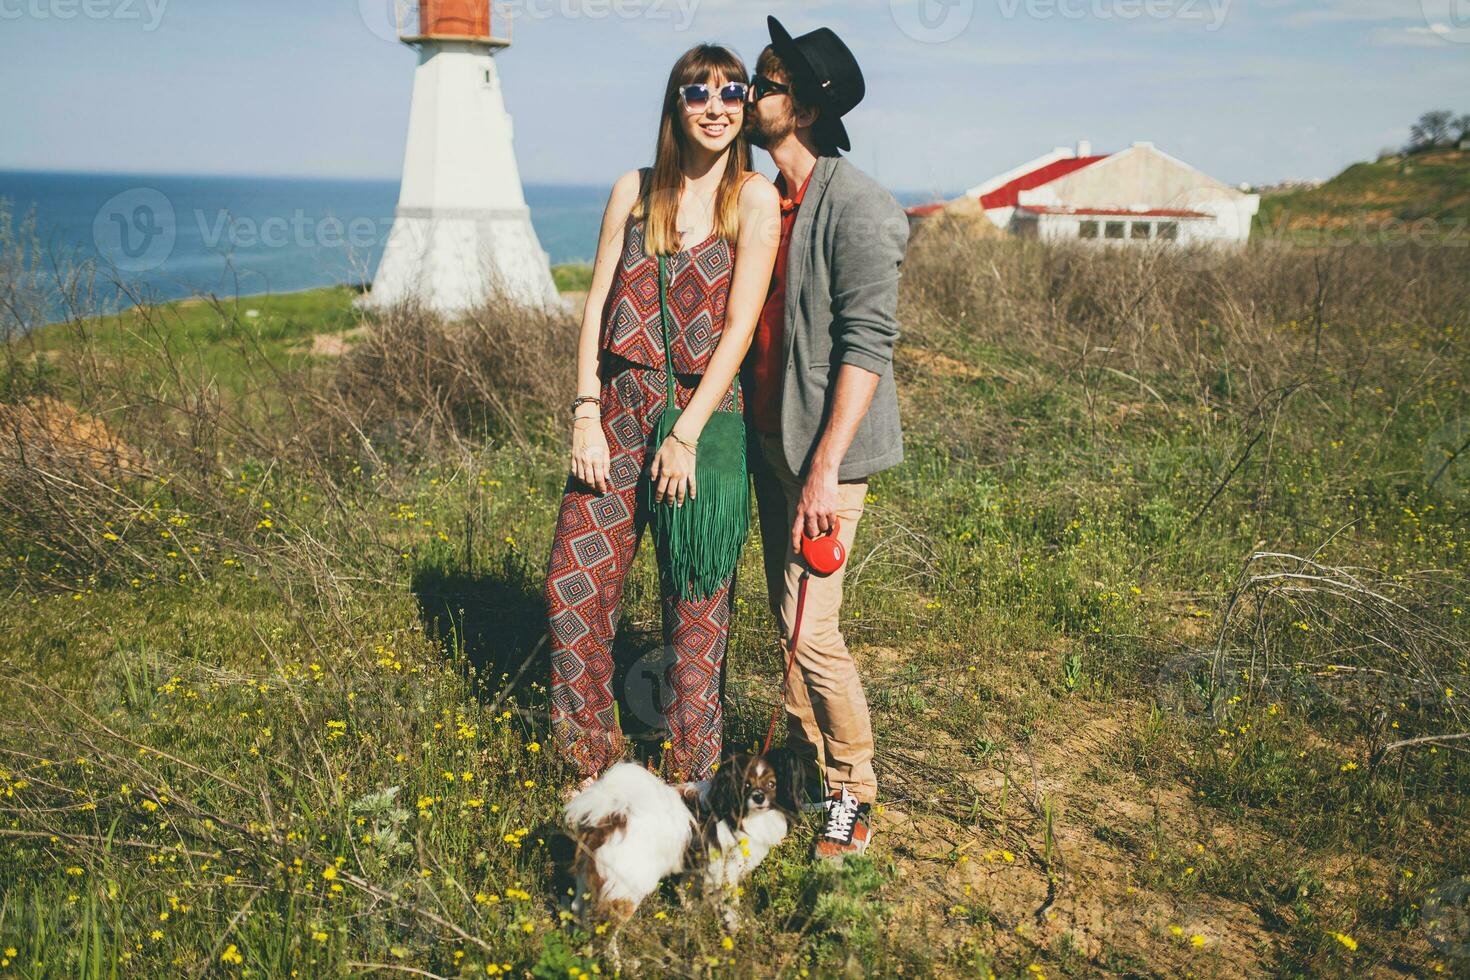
(658, 205)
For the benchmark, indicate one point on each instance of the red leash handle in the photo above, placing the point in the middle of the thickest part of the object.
(823, 554)
(790, 659)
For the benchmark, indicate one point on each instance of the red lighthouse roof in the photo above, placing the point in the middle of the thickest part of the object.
(1007, 195)
(454, 20)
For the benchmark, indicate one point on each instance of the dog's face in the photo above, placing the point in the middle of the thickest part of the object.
(750, 784)
(761, 785)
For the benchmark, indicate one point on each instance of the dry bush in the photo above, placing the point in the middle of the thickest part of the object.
(62, 438)
(147, 463)
(1255, 360)
(1339, 637)
(1263, 315)
(958, 225)
(1253, 332)
(417, 382)
(148, 459)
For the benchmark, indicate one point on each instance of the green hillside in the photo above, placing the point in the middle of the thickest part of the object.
(1422, 193)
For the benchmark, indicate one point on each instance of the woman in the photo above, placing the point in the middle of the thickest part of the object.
(700, 206)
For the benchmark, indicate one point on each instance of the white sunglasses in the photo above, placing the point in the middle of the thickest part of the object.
(696, 98)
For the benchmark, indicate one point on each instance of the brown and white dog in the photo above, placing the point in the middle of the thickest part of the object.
(743, 813)
(632, 830)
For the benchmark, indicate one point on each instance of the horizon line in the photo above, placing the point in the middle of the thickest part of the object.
(80, 172)
(322, 178)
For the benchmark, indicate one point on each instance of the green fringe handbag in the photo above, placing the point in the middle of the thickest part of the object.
(700, 542)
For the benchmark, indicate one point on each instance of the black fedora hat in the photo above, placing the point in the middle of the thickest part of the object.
(827, 70)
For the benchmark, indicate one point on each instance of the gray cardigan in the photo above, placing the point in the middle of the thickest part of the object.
(847, 245)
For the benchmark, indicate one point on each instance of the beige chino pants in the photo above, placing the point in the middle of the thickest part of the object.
(826, 710)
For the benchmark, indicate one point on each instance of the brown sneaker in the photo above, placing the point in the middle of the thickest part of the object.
(848, 828)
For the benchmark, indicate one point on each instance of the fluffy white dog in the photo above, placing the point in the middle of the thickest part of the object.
(632, 830)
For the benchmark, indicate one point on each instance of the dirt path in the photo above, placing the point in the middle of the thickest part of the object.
(333, 344)
(970, 872)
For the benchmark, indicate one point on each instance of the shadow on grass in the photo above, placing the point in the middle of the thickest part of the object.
(492, 618)
(489, 618)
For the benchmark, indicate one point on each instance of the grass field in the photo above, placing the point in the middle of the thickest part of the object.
(1162, 620)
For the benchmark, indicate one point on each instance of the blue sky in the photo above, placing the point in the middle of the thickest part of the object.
(1251, 90)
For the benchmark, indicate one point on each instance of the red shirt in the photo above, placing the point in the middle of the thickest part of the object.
(768, 347)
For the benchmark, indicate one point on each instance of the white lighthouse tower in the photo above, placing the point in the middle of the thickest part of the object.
(462, 231)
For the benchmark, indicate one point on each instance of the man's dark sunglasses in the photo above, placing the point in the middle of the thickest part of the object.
(761, 86)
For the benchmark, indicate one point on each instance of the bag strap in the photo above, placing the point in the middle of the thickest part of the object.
(663, 315)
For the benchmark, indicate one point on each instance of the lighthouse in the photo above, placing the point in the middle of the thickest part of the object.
(462, 231)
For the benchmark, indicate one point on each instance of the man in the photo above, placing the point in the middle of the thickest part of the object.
(820, 394)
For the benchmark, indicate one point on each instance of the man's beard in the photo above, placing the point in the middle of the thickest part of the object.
(766, 133)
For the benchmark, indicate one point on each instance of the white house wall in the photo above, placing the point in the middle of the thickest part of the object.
(1001, 217)
(1056, 228)
(1135, 176)
(1144, 178)
(1067, 227)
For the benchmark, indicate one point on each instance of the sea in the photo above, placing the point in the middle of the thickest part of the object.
(168, 237)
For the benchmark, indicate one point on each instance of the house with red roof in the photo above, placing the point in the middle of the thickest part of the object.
(1136, 195)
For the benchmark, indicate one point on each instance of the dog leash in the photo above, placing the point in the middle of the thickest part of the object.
(806, 573)
(823, 555)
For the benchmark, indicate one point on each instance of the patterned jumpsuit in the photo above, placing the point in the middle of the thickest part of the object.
(597, 535)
